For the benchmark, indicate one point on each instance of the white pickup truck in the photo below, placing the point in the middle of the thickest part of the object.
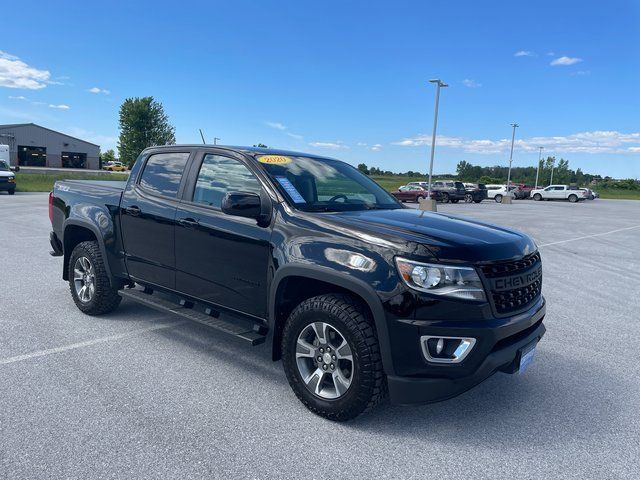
(559, 192)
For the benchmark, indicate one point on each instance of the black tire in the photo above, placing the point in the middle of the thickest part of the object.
(498, 198)
(573, 198)
(468, 198)
(537, 197)
(367, 380)
(105, 298)
(419, 197)
(445, 197)
(12, 192)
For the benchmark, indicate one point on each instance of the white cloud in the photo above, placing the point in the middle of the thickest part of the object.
(565, 61)
(294, 135)
(551, 54)
(467, 82)
(14, 73)
(60, 106)
(524, 53)
(377, 147)
(99, 90)
(276, 125)
(329, 145)
(19, 97)
(598, 141)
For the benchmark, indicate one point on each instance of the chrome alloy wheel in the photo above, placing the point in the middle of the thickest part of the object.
(84, 279)
(324, 360)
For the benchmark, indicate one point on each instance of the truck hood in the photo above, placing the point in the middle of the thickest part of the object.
(449, 238)
(7, 174)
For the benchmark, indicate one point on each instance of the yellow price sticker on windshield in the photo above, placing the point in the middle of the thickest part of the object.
(274, 159)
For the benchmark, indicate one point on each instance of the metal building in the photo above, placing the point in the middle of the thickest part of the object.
(32, 145)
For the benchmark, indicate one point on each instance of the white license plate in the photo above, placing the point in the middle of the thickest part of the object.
(526, 358)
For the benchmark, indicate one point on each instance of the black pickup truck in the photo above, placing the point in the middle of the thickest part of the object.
(360, 296)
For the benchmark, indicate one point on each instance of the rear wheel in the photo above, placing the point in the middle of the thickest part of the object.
(498, 198)
(537, 197)
(445, 198)
(331, 357)
(88, 280)
(468, 198)
(573, 198)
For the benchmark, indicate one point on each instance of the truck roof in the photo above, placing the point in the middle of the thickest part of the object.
(246, 150)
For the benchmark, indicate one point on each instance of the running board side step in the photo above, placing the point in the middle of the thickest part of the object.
(216, 320)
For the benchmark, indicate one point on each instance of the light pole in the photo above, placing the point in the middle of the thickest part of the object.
(513, 137)
(439, 84)
(538, 171)
(215, 140)
(553, 166)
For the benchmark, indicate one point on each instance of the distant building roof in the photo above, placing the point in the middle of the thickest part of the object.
(11, 125)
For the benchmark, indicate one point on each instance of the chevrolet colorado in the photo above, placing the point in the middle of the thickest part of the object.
(358, 295)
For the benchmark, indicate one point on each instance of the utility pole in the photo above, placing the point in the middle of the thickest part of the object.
(439, 84)
(538, 170)
(513, 137)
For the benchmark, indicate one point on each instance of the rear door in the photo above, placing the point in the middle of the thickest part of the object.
(147, 218)
(221, 259)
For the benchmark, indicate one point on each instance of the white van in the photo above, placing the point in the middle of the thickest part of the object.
(7, 176)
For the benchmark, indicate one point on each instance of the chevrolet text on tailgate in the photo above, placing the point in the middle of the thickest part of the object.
(359, 296)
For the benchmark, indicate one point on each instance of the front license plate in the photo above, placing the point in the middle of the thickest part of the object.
(526, 357)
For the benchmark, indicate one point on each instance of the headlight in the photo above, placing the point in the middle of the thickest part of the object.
(445, 280)
(12, 179)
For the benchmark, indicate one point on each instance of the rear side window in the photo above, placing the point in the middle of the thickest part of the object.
(162, 173)
(219, 175)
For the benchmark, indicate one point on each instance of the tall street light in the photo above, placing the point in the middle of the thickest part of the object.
(439, 84)
(513, 137)
(553, 166)
(538, 171)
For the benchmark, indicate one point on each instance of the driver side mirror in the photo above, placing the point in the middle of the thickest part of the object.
(245, 204)
(15, 169)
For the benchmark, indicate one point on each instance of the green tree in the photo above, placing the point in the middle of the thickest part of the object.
(261, 145)
(363, 168)
(143, 123)
(108, 156)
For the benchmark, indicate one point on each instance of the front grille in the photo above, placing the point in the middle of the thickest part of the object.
(506, 301)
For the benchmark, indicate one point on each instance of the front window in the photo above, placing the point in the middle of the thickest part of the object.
(324, 185)
(4, 167)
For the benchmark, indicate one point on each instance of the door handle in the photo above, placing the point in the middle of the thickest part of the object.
(188, 222)
(133, 210)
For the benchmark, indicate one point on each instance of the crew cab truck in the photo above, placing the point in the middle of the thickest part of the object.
(358, 295)
(559, 192)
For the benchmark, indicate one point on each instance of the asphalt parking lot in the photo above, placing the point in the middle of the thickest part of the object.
(137, 394)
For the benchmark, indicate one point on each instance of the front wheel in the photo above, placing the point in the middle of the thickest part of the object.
(468, 198)
(498, 198)
(420, 197)
(445, 198)
(537, 197)
(12, 192)
(88, 280)
(331, 357)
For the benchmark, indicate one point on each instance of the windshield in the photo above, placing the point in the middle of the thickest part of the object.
(4, 167)
(322, 185)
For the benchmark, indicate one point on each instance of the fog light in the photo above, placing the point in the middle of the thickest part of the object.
(446, 349)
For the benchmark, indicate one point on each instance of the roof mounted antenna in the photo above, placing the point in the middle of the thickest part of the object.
(202, 136)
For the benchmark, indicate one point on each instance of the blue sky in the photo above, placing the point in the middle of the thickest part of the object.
(341, 78)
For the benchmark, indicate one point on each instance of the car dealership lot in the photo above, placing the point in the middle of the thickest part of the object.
(140, 394)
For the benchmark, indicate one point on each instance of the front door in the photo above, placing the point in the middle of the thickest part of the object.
(147, 219)
(221, 259)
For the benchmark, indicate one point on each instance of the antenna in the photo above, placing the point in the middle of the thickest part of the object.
(202, 136)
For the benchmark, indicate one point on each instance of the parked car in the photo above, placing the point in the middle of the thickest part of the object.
(115, 167)
(7, 178)
(498, 191)
(559, 192)
(358, 295)
(589, 194)
(475, 192)
(444, 190)
(412, 193)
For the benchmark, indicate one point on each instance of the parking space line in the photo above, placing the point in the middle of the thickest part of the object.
(73, 346)
(589, 236)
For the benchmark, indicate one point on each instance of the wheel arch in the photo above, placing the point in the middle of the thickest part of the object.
(295, 283)
(78, 231)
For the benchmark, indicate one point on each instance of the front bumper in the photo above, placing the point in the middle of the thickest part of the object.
(7, 186)
(498, 353)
